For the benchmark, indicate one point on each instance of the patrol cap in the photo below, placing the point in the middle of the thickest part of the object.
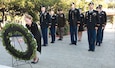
(91, 3)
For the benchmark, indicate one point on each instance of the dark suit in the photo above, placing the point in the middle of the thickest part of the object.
(73, 18)
(36, 33)
(91, 21)
(53, 24)
(44, 23)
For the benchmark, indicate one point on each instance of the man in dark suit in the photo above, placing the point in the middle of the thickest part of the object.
(91, 21)
(74, 21)
(44, 23)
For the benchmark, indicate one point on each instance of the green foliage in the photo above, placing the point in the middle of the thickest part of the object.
(34, 15)
(111, 5)
(111, 19)
(33, 6)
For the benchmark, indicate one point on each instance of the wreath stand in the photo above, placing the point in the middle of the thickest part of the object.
(16, 62)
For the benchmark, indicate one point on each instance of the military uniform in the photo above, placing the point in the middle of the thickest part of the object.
(102, 23)
(44, 23)
(74, 20)
(81, 28)
(61, 23)
(91, 21)
(53, 24)
(36, 33)
(105, 21)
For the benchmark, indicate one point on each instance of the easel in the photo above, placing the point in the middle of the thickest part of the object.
(18, 62)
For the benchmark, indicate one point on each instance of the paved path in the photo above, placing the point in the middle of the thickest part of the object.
(62, 55)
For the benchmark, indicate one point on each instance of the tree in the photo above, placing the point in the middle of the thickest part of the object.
(18, 7)
(111, 5)
(33, 6)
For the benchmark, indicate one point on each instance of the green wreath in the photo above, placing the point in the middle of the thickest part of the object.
(8, 31)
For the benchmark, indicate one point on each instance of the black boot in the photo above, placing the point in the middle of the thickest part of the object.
(99, 44)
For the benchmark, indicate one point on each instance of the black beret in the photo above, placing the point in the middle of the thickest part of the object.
(100, 6)
(91, 3)
(72, 3)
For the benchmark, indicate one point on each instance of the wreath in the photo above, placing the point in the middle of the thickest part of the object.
(8, 31)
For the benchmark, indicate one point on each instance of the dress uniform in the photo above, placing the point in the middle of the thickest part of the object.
(74, 20)
(53, 27)
(44, 23)
(91, 21)
(61, 23)
(102, 20)
(36, 33)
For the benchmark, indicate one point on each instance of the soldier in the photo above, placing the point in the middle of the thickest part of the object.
(81, 28)
(91, 21)
(61, 23)
(44, 22)
(105, 21)
(74, 21)
(102, 22)
(53, 25)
